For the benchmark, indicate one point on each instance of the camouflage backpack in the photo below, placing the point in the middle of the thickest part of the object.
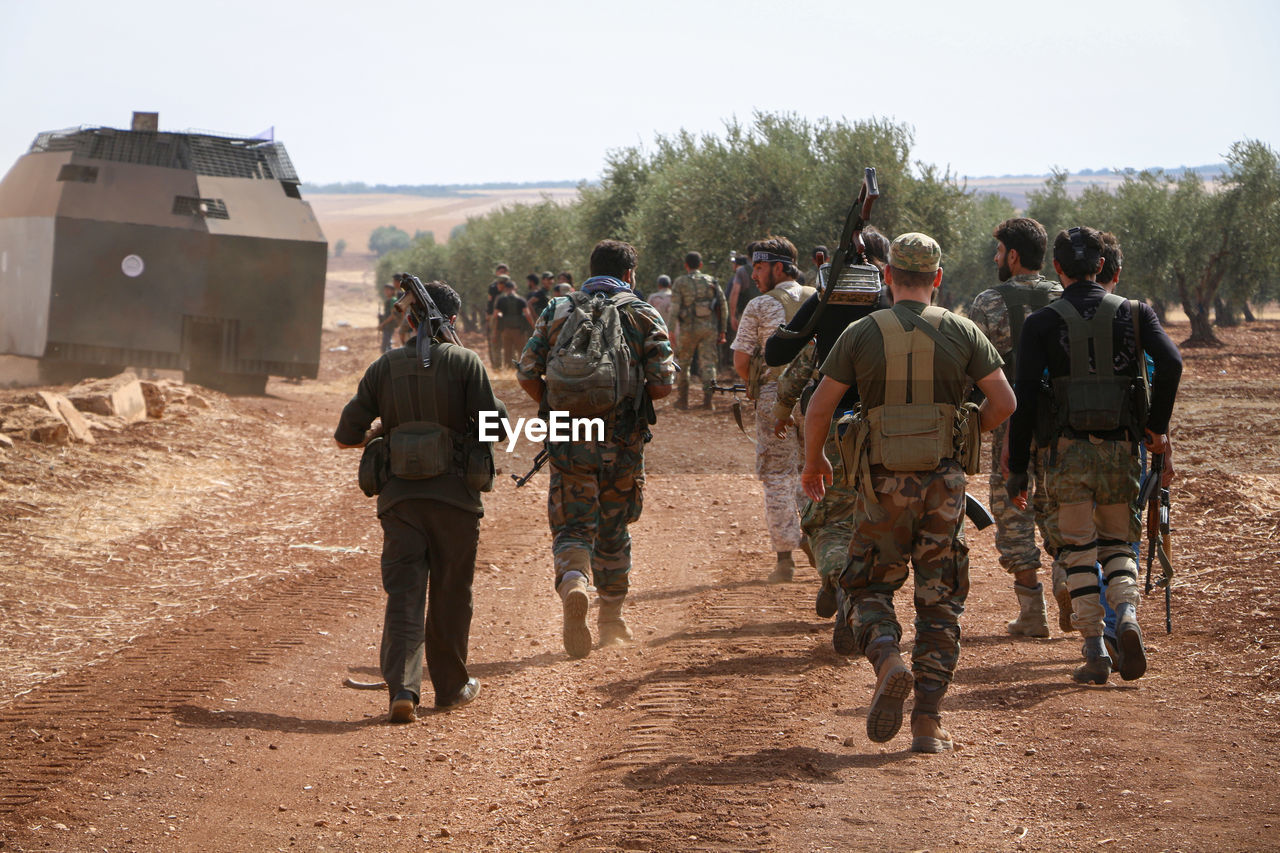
(592, 370)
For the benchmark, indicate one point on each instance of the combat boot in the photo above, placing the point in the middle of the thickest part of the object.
(682, 398)
(708, 397)
(1031, 621)
(893, 684)
(785, 569)
(1097, 665)
(825, 604)
(1132, 653)
(842, 639)
(573, 595)
(927, 733)
(613, 629)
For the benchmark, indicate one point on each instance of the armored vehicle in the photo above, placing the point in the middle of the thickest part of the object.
(188, 251)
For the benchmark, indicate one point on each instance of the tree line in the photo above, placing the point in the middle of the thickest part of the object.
(1209, 247)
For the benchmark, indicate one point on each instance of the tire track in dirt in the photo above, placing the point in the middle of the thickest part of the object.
(76, 720)
(704, 753)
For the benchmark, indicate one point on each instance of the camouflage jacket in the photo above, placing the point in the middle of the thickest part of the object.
(991, 314)
(799, 373)
(697, 289)
(643, 328)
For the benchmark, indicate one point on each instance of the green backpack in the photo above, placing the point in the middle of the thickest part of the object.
(591, 370)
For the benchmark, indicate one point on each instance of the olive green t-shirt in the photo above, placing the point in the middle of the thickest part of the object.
(858, 357)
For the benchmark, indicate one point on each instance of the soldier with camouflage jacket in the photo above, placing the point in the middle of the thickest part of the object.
(999, 312)
(908, 361)
(699, 304)
(597, 486)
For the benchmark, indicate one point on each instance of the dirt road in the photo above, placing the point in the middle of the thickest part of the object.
(182, 600)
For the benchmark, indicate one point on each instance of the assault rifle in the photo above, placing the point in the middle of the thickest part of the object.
(736, 391)
(538, 462)
(849, 272)
(426, 317)
(1156, 497)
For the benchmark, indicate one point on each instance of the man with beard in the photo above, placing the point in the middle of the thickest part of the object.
(999, 312)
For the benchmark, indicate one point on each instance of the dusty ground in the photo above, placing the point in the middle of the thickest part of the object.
(182, 600)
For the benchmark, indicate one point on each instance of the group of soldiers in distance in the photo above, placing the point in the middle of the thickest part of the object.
(894, 396)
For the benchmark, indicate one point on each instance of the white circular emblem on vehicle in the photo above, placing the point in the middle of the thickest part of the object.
(132, 266)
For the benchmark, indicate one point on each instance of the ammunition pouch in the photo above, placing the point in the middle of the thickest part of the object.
(967, 437)
(421, 450)
(912, 436)
(375, 466)
(478, 461)
(1094, 403)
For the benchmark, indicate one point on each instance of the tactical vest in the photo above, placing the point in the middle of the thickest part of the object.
(1016, 299)
(909, 436)
(420, 447)
(760, 374)
(704, 298)
(1098, 400)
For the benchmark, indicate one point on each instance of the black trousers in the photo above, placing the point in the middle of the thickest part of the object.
(428, 563)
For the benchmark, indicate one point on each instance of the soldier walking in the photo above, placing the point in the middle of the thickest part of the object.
(1000, 313)
(773, 268)
(430, 506)
(703, 311)
(1091, 343)
(912, 364)
(597, 486)
(828, 524)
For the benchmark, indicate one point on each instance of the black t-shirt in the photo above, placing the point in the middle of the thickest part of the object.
(1044, 346)
(512, 309)
(834, 320)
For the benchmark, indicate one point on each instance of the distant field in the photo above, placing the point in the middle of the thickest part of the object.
(353, 217)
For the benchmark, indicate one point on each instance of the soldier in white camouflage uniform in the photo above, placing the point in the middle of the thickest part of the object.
(773, 263)
(1020, 250)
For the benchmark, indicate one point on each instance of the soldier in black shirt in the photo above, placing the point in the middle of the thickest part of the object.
(430, 521)
(1091, 422)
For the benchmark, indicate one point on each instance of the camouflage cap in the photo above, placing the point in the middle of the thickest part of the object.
(915, 252)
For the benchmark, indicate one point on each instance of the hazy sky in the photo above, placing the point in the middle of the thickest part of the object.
(460, 92)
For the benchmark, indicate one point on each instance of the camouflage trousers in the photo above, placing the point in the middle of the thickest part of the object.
(778, 467)
(829, 523)
(701, 339)
(1016, 528)
(1094, 484)
(923, 516)
(597, 489)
